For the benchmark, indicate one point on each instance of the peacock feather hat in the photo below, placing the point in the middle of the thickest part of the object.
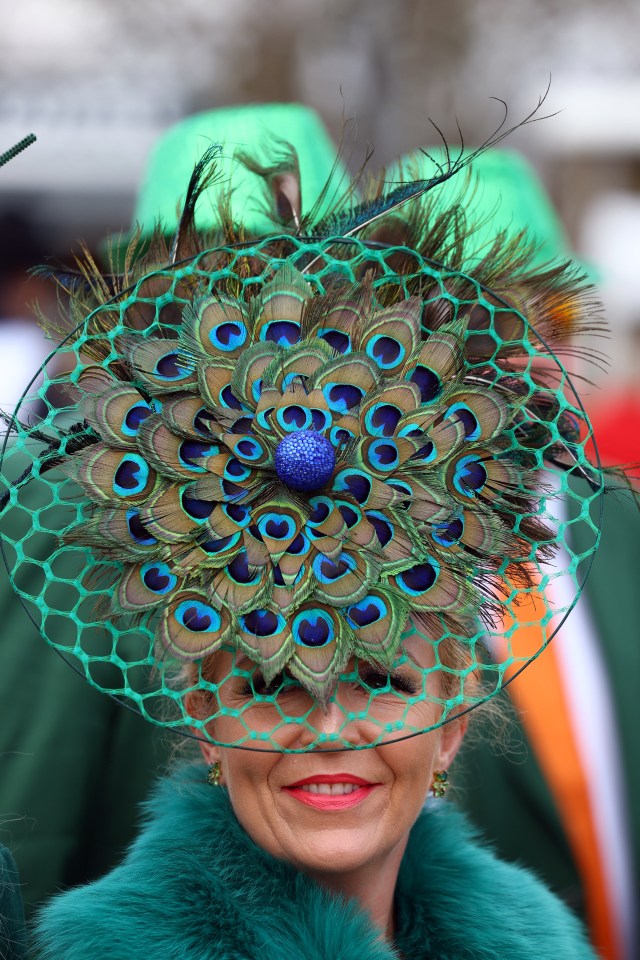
(320, 464)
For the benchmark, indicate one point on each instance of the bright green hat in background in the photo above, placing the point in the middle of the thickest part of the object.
(505, 195)
(252, 128)
(508, 196)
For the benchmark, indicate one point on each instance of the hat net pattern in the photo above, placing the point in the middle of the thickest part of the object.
(300, 502)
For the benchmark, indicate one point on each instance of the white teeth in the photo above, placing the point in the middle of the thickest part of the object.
(330, 789)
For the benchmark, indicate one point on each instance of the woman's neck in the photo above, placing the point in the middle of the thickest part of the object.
(373, 886)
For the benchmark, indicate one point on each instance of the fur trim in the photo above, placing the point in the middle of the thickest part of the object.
(194, 886)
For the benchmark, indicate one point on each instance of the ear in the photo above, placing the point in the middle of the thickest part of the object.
(451, 737)
(210, 752)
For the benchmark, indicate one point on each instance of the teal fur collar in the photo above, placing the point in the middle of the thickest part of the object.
(195, 887)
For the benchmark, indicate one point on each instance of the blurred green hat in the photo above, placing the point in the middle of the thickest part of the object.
(251, 128)
(506, 195)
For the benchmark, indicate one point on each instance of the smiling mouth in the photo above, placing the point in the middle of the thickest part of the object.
(331, 792)
(330, 789)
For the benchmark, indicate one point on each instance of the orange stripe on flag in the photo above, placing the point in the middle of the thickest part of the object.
(540, 699)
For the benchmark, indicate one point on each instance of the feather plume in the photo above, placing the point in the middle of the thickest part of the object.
(364, 215)
(205, 173)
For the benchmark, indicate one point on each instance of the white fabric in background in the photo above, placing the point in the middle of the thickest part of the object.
(23, 349)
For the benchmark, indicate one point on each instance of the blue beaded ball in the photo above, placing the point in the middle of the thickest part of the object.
(305, 460)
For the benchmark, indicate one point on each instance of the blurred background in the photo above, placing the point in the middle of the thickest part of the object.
(97, 82)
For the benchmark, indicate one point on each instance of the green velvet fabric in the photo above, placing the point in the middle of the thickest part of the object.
(501, 191)
(246, 127)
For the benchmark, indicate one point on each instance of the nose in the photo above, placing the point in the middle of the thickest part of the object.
(331, 726)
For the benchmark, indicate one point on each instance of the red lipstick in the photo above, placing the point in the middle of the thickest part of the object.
(331, 801)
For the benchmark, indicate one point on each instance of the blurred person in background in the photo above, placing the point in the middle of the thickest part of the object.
(563, 793)
(66, 804)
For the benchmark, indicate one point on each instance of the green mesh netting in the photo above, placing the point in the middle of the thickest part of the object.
(280, 503)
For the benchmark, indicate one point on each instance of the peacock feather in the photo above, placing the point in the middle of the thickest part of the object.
(302, 488)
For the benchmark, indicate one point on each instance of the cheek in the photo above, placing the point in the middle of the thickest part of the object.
(246, 778)
(412, 762)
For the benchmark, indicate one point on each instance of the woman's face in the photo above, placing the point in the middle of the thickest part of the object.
(328, 811)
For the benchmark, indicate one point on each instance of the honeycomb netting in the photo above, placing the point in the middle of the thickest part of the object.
(282, 503)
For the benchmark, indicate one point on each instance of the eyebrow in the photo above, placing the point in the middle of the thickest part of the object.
(412, 658)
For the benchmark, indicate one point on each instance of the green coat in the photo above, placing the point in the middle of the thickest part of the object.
(194, 886)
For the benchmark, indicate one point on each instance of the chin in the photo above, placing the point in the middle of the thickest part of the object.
(334, 851)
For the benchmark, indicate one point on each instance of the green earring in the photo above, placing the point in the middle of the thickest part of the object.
(214, 774)
(440, 783)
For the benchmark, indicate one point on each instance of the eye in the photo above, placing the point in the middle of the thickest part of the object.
(377, 679)
(257, 686)
(263, 689)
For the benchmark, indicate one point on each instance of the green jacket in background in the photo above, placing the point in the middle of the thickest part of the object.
(502, 787)
(74, 764)
(12, 929)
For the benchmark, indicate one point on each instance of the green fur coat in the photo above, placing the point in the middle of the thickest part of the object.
(195, 887)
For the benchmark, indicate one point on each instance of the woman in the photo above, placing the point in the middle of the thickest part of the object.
(309, 480)
(321, 854)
